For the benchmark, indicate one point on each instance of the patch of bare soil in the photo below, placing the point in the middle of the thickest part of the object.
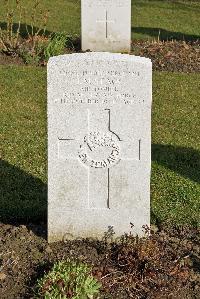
(165, 265)
(172, 56)
(8, 60)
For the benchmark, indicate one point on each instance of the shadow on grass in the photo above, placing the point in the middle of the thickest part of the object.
(164, 35)
(175, 6)
(23, 197)
(182, 160)
(24, 29)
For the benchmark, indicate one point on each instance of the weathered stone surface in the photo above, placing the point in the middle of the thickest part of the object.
(99, 144)
(106, 25)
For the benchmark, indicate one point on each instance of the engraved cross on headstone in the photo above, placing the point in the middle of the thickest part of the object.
(99, 150)
(106, 21)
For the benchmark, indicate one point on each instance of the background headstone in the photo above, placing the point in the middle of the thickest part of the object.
(99, 144)
(106, 25)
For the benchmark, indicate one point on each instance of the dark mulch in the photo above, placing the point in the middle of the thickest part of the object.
(173, 56)
(165, 265)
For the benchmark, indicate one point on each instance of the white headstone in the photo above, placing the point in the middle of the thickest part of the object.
(106, 25)
(99, 144)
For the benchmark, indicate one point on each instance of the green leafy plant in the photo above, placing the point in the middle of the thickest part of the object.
(68, 279)
(55, 46)
(43, 49)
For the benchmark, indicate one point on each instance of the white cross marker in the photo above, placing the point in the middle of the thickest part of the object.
(106, 21)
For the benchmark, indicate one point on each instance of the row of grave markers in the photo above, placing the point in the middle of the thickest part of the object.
(99, 130)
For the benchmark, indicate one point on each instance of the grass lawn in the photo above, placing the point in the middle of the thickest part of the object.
(175, 191)
(150, 19)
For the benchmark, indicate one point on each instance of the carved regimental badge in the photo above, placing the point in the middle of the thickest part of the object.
(100, 150)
